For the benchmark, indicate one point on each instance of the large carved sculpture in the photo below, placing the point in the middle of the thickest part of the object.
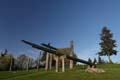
(58, 55)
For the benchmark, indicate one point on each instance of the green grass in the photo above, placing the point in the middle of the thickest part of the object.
(78, 73)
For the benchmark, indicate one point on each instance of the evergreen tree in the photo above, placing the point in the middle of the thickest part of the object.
(99, 57)
(89, 60)
(107, 44)
(94, 61)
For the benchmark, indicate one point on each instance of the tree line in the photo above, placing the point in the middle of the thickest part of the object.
(21, 62)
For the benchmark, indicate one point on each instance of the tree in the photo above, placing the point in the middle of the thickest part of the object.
(94, 61)
(43, 58)
(99, 59)
(107, 44)
(38, 61)
(5, 60)
(89, 60)
(22, 61)
(11, 62)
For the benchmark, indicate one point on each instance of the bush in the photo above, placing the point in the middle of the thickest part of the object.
(4, 62)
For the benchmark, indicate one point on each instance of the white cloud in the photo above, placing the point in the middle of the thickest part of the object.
(91, 53)
(88, 53)
(33, 53)
(30, 52)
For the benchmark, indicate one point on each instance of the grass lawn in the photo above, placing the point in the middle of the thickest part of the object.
(78, 73)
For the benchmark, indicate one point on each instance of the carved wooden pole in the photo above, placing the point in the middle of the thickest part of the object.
(57, 62)
(47, 59)
(50, 56)
(63, 63)
(50, 64)
(71, 54)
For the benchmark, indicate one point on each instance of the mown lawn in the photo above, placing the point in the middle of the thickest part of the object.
(78, 73)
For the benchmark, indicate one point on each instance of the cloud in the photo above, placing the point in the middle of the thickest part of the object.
(88, 53)
(30, 52)
(33, 53)
(91, 53)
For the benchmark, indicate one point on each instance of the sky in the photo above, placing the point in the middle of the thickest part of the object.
(58, 22)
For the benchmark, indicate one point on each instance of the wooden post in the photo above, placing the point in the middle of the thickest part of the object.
(71, 54)
(46, 63)
(63, 64)
(50, 64)
(57, 62)
(71, 64)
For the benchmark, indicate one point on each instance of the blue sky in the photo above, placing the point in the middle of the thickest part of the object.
(58, 22)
